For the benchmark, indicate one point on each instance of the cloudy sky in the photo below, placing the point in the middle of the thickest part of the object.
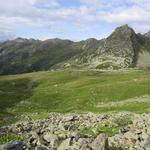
(71, 19)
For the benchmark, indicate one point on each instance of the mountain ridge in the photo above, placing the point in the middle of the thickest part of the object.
(122, 49)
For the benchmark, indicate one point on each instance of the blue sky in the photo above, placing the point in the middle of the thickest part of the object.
(71, 19)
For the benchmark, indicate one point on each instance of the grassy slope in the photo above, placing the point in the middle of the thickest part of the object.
(29, 56)
(71, 91)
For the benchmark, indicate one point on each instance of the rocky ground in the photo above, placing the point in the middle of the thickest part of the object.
(82, 132)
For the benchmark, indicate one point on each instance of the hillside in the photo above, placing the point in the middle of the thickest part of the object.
(23, 55)
(122, 49)
(144, 52)
(73, 91)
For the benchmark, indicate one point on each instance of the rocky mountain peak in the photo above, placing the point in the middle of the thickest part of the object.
(122, 32)
(147, 34)
(122, 45)
(19, 39)
(91, 40)
(58, 41)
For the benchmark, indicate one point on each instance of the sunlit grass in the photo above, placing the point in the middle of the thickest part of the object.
(73, 91)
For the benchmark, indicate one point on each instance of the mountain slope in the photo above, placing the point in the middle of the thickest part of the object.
(119, 50)
(73, 91)
(144, 52)
(122, 49)
(22, 55)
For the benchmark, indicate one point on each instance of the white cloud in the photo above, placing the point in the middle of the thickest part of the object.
(130, 15)
(6, 34)
(95, 3)
(27, 12)
(48, 13)
(49, 3)
(142, 3)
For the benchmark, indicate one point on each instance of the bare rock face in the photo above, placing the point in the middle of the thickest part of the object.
(122, 43)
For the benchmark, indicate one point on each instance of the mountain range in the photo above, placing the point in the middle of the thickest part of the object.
(122, 49)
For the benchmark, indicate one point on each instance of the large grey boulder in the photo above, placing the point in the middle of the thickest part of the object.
(13, 145)
(51, 140)
(65, 144)
(100, 143)
(146, 144)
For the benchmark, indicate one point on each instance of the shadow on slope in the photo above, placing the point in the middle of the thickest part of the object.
(12, 92)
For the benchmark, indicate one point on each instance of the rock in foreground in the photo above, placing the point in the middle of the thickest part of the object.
(84, 132)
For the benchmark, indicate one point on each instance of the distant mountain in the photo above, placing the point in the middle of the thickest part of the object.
(122, 49)
(23, 55)
(147, 34)
(119, 50)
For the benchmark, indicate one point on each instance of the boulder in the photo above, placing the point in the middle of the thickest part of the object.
(13, 145)
(65, 144)
(51, 139)
(100, 143)
(48, 137)
(145, 136)
(85, 148)
(69, 118)
(146, 144)
(1, 147)
(130, 135)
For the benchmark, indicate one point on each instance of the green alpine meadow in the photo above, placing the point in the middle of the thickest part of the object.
(86, 95)
(74, 91)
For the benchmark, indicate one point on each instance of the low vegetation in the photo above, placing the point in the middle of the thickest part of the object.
(73, 91)
(9, 137)
(107, 65)
(108, 128)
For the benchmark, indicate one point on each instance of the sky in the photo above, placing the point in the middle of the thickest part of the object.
(71, 19)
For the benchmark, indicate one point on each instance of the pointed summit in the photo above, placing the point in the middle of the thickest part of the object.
(20, 40)
(122, 32)
(125, 26)
(122, 43)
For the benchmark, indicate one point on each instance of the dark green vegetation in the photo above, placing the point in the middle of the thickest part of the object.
(73, 91)
(106, 65)
(22, 55)
(89, 132)
(107, 128)
(11, 137)
(122, 49)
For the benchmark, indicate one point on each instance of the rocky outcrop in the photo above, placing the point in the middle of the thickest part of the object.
(84, 132)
